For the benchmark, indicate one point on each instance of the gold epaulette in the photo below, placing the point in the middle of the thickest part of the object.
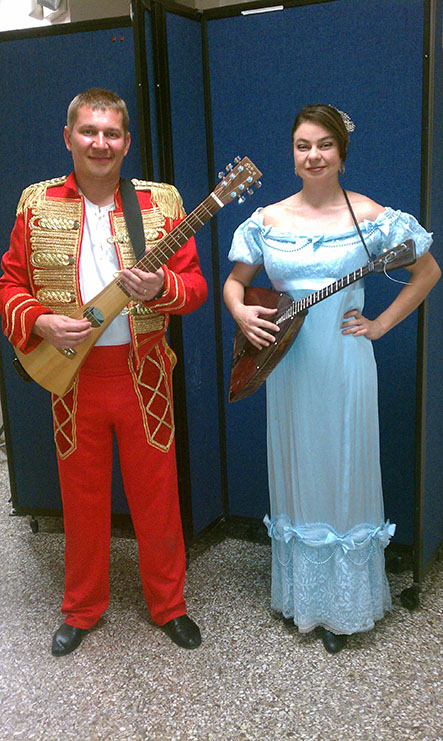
(33, 194)
(165, 196)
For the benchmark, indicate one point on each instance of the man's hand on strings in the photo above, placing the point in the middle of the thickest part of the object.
(62, 331)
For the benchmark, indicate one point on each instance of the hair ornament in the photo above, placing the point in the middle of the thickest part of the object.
(347, 120)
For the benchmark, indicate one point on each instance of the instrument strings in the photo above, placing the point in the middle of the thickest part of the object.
(170, 243)
(314, 298)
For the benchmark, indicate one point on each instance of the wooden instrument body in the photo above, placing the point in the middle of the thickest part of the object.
(55, 370)
(250, 366)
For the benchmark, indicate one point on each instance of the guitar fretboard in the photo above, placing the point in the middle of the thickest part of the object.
(170, 243)
(314, 298)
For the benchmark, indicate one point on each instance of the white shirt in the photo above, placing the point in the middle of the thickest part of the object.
(98, 265)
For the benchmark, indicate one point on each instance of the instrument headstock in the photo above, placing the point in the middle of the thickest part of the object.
(400, 256)
(237, 181)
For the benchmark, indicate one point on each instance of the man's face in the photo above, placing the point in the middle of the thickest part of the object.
(98, 144)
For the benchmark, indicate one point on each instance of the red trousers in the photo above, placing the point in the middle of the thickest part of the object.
(109, 401)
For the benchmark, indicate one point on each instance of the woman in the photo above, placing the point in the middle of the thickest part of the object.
(327, 522)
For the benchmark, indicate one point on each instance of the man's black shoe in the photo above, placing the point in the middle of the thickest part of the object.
(66, 639)
(183, 631)
(332, 642)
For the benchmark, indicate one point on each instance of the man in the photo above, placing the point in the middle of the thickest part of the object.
(68, 241)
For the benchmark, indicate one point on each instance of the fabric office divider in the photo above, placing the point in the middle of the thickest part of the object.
(53, 68)
(347, 54)
(108, 55)
(191, 178)
(431, 525)
(260, 70)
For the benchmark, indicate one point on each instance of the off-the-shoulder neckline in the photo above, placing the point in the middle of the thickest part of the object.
(366, 225)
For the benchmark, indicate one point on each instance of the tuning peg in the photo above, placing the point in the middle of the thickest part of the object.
(258, 184)
(237, 160)
(230, 166)
(241, 200)
(249, 191)
(221, 175)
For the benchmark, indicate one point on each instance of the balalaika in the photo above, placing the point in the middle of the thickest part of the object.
(251, 366)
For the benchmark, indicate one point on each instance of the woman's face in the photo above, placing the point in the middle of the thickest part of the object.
(316, 153)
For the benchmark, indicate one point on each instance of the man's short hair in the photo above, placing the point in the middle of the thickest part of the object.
(98, 98)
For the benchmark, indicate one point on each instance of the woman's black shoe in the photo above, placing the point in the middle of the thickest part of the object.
(333, 643)
(67, 639)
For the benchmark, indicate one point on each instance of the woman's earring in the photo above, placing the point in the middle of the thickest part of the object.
(295, 170)
(342, 168)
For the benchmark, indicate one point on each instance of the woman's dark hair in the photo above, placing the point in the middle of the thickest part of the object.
(330, 119)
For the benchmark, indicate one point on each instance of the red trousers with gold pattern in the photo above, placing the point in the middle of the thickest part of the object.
(109, 399)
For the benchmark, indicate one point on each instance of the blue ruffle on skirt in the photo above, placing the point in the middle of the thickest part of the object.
(322, 578)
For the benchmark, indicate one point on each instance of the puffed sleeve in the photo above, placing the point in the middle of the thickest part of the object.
(392, 227)
(246, 243)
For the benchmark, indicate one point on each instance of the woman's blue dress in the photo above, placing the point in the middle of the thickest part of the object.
(327, 520)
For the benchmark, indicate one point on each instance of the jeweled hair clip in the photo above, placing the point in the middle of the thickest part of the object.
(347, 120)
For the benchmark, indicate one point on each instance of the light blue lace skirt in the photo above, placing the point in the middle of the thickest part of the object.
(321, 578)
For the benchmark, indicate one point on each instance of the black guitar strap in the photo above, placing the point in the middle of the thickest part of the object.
(356, 223)
(133, 217)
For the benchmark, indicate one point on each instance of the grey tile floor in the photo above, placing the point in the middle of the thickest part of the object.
(253, 678)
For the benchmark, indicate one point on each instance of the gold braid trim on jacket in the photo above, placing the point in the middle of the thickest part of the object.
(165, 196)
(34, 194)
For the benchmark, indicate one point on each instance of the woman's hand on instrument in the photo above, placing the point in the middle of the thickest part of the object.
(355, 323)
(141, 285)
(255, 326)
(62, 331)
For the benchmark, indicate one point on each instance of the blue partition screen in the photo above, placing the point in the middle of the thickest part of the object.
(362, 57)
(367, 61)
(433, 504)
(190, 166)
(54, 69)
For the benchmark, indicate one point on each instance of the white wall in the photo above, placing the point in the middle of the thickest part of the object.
(83, 10)
(14, 14)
